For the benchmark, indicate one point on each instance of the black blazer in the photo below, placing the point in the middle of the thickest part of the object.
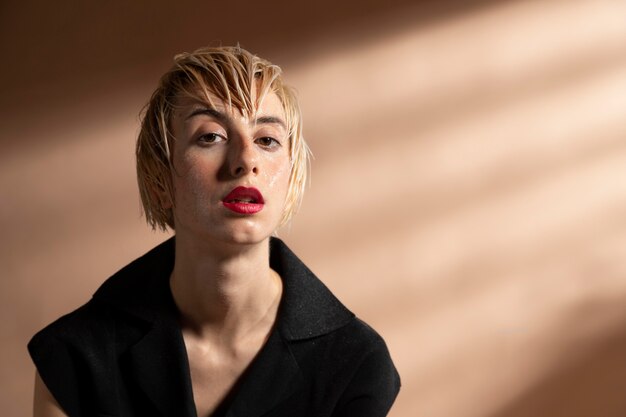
(123, 354)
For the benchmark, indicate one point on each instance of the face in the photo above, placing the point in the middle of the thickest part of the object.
(231, 172)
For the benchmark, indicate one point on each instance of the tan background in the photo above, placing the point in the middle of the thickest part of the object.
(468, 191)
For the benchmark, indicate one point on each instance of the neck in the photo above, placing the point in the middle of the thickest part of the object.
(224, 292)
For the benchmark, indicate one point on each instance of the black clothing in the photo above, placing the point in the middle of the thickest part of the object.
(123, 354)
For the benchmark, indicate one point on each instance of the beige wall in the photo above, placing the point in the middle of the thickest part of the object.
(468, 190)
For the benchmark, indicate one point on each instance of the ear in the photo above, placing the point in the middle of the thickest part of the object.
(159, 194)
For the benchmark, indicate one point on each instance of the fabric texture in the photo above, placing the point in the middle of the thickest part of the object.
(123, 354)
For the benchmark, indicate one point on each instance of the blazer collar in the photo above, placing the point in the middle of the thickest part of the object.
(158, 360)
(308, 308)
(141, 288)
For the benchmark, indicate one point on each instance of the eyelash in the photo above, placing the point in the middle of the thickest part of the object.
(212, 138)
(273, 142)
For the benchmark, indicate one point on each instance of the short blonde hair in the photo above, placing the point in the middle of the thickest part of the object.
(230, 73)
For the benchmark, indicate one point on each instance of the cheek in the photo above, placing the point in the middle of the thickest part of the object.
(278, 176)
(194, 178)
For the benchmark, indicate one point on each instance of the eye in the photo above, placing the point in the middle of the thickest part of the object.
(268, 142)
(210, 138)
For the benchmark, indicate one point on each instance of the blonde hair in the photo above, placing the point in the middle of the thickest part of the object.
(229, 73)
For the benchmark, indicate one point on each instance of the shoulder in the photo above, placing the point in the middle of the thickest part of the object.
(68, 350)
(374, 353)
(360, 333)
(352, 367)
(135, 292)
(356, 345)
(76, 352)
(87, 323)
(372, 381)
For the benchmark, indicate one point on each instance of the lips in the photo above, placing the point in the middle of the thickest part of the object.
(244, 200)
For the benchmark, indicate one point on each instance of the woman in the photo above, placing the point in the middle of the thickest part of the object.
(221, 319)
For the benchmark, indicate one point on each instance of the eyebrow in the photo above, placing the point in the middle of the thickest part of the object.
(271, 120)
(206, 111)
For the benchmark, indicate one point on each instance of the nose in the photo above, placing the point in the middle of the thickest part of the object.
(243, 158)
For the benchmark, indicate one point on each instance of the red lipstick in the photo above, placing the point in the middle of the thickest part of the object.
(244, 200)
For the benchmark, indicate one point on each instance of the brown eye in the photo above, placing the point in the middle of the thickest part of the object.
(268, 142)
(210, 138)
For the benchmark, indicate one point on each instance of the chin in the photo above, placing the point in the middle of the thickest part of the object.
(245, 238)
(229, 232)
(249, 234)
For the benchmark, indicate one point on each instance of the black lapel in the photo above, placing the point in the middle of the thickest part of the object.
(272, 377)
(308, 309)
(158, 359)
(159, 366)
